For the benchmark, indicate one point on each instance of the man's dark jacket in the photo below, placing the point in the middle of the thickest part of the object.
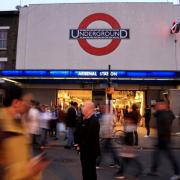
(164, 119)
(70, 118)
(87, 135)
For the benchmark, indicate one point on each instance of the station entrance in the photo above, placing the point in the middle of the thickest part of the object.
(64, 97)
(120, 98)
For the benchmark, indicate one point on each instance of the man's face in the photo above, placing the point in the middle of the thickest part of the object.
(88, 108)
(23, 104)
(84, 109)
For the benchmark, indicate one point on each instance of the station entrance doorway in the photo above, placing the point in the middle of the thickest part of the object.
(64, 97)
(123, 98)
(120, 98)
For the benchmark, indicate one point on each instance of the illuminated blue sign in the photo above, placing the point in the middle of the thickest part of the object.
(59, 73)
(11, 73)
(162, 74)
(89, 73)
(136, 74)
(35, 73)
(85, 73)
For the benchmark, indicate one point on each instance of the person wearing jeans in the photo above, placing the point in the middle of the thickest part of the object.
(71, 122)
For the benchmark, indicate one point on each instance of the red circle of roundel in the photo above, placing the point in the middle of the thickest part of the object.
(104, 50)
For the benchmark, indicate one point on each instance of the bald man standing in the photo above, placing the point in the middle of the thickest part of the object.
(87, 137)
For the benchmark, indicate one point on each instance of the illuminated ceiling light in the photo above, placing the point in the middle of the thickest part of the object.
(175, 27)
(12, 81)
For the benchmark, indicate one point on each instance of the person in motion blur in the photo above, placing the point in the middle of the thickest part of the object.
(16, 160)
(128, 152)
(164, 118)
(147, 116)
(135, 117)
(33, 119)
(87, 138)
(45, 117)
(106, 131)
(71, 122)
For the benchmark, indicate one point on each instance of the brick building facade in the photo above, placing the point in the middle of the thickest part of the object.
(8, 38)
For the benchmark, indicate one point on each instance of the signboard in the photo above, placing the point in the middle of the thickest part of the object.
(90, 74)
(116, 34)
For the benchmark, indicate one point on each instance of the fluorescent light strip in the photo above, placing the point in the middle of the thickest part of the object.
(12, 81)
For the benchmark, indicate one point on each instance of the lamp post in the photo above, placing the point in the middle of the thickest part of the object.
(109, 94)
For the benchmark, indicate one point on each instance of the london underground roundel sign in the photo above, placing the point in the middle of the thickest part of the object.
(83, 33)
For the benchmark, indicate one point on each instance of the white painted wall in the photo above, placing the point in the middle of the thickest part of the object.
(43, 38)
(174, 97)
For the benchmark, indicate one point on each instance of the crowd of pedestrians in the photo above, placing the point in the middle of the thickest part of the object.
(25, 121)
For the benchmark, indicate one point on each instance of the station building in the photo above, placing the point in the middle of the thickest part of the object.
(73, 52)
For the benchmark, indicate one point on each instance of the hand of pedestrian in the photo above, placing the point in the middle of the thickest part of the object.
(36, 165)
(77, 147)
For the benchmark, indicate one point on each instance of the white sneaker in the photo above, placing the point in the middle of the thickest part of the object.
(99, 167)
(175, 177)
(120, 177)
(146, 136)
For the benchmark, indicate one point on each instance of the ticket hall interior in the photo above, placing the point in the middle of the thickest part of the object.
(120, 98)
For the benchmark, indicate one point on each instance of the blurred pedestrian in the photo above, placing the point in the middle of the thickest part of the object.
(128, 152)
(164, 118)
(61, 124)
(53, 122)
(125, 111)
(147, 116)
(16, 160)
(45, 117)
(87, 138)
(135, 117)
(106, 131)
(33, 120)
(71, 122)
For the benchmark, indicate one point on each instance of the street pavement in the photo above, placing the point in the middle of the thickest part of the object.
(66, 165)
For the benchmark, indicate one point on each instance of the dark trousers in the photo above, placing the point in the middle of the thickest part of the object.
(53, 129)
(88, 163)
(44, 134)
(163, 147)
(127, 161)
(147, 127)
(136, 138)
(131, 138)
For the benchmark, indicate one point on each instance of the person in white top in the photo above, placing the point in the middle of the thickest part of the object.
(45, 117)
(106, 130)
(33, 121)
